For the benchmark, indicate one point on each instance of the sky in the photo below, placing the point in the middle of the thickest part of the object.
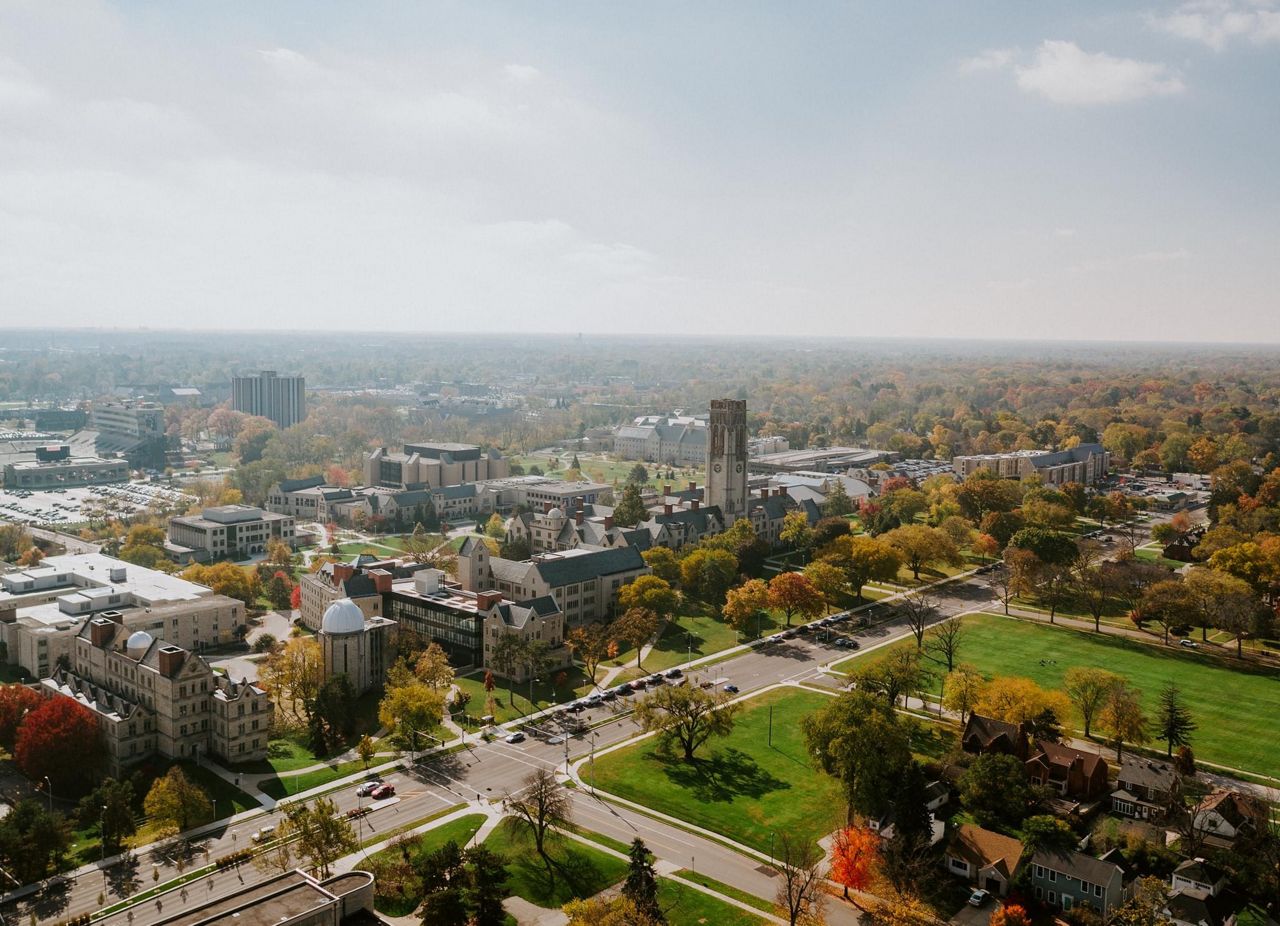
(995, 169)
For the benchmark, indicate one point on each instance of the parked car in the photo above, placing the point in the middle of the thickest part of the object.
(383, 791)
(639, 685)
(656, 679)
(978, 898)
(368, 788)
(516, 737)
(1189, 644)
(674, 673)
(609, 695)
(731, 689)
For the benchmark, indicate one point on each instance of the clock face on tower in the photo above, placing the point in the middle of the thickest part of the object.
(716, 467)
(738, 468)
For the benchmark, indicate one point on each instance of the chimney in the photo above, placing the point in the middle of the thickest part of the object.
(666, 488)
(695, 504)
(100, 630)
(171, 659)
(608, 522)
(782, 490)
(693, 487)
(764, 493)
(578, 516)
(666, 509)
(547, 506)
(381, 580)
(486, 600)
(342, 572)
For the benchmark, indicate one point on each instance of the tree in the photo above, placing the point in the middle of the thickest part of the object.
(944, 640)
(110, 807)
(433, 668)
(917, 607)
(828, 529)
(1010, 914)
(323, 834)
(861, 741)
(294, 675)
(638, 474)
(663, 562)
(508, 653)
(641, 886)
(637, 626)
(1053, 587)
(828, 579)
(1088, 688)
(792, 594)
(906, 856)
(410, 709)
(651, 593)
(144, 546)
(225, 579)
(708, 574)
(1019, 700)
(1147, 900)
(922, 546)
(1051, 547)
(1173, 719)
(630, 510)
(539, 808)
(796, 532)
(864, 559)
(443, 876)
(799, 864)
(334, 709)
(487, 886)
(616, 911)
(1223, 601)
(854, 853)
(744, 603)
(590, 643)
(994, 790)
(60, 740)
(33, 841)
(16, 702)
(366, 749)
(900, 673)
(176, 804)
(1003, 584)
(1169, 604)
(903, 910)
(837, 504)
(961, 690)
(1046, 832)
(685, 715)
(1123, 718)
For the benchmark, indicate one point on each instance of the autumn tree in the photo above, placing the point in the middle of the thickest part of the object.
(60, 740)
(828, 579)
(411, 708)
(637, 627)
(175, 803)
(1123, 718)
(745, 603)
(865, 744)
(854, 854)
(863, 559)
(590, 644)
(432, 668)
(651, 593)
(1010, 914)
(664, 563)
(16, 702)
(922, 546)
(961, 690)
(708, 574)
(1019, 700)
(537, 810)
(917, 607)
(685, 715)
(944, 640)
(1168, 604)
(294, 675)
(792, 594)
(1089, 688)
(799, 865)
(994, 790)
(321, 833)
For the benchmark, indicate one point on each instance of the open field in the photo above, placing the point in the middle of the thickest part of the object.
(739, 786)
(687, 906)
(580, 870)
(1238, 710)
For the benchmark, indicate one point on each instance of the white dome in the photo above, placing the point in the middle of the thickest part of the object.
(555, 513)
(139, 640)
(343, 616)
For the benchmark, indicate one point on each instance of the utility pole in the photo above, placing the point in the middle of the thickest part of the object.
(770, 725)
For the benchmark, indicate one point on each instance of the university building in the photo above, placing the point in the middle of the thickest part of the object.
(227, 532)
(1085, 464)
(431, 465)
(282, 399)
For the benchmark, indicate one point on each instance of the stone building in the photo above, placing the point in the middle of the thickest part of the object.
(1085, 464)
(727, 459)
(361, 648)
(227, 532)
(431, 465)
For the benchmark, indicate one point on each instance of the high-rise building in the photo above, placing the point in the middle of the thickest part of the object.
(727, 458)
(283, 399)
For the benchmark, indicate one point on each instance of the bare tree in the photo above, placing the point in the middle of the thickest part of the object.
(538, 808)
(917, 607)
(800, 895)
(1130, 534)
(944, 641)
(1003, 585)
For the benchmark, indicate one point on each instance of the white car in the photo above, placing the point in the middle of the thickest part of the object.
(263, 834)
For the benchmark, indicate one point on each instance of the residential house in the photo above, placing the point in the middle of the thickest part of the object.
(986, 735)
(1070, 879)
(1070, 772)
(989, 860)
(1225, 816)
(1201, 896)
(1144, 787)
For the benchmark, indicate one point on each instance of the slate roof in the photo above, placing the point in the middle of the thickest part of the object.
(1077, 865)
(558, 571)
(1147, 773)
(297, 485)
(517, 614)
(988, 730)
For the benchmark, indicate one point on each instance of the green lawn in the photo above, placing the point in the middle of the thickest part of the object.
(580, 870)
(544, 693)
(1152, 555)
(687, 906)
(739, 786)
(760, 903)
(1237, 710)
(698, 632)
(398, 891)
(289, 785)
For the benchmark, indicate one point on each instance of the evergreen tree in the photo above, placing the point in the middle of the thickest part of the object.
(443, 879)
(837, 504)
(1174, 719)
(487, 886)
(630, 510)
(641, 886)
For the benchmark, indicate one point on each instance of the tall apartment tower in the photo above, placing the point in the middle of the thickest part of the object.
(727, 458)
(283, 399)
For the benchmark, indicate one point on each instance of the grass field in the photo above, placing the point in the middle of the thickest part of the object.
(739, 786)
(398, 891)
(687, 906)
(544, 694)
(1237, 710)
(580, 870)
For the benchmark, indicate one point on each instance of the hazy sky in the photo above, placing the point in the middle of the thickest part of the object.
(960, 169)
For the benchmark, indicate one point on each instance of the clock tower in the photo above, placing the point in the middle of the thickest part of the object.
(727, 458)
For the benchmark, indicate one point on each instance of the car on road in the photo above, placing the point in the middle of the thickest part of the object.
(1189, 644)
(639, 685)
(368, 788)
(674, 673)
(788, 634)
(556, 740)
(577, 707)
(978, 898)
(623, 689)
(383, 791)
(731, 689)
(263, 834)
(656, 679)
(516, 737)
(594, 699)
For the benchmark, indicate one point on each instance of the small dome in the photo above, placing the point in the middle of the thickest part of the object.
(139, 641)
(343, 616)
(555, 513)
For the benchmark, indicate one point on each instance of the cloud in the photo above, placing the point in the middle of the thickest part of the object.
(18, 89)
(524, 73)
(993, 59)
(1216, 23)
(1062, 72)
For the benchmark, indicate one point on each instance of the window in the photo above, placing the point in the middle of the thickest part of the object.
(1053, 876)
(1097, 890)
(959, 865)
(1053, 897)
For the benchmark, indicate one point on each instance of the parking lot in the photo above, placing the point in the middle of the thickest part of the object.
(64, 507)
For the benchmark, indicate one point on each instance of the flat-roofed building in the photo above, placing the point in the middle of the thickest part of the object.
(820, 459)
(433, 464)
(227, 532)
(1085, 464)
(64, 472)
(282, 399)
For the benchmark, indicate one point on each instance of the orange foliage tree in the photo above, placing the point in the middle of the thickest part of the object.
(853, 855)
(1010, 915)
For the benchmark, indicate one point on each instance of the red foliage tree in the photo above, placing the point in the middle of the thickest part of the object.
(488, 680)
(853, 856)
(295, 597)
(60, 740)
(1010, 915)
(16, 702)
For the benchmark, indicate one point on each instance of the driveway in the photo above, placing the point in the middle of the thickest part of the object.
(975, 916)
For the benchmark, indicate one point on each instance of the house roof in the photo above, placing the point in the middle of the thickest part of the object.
(985, 849)
(988, 729)
(1077, 865)
(561, 569)
(1059, 755)
(1147, 773)
(297, 485)
(1234, 807)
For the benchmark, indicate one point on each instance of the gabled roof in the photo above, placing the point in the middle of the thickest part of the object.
(1148, 773)
(1066, 756)
(984, 849)
(558, 571)
(1078, 865)
(297, 485)
(1234, 807)
(469, 545)
(988, 730)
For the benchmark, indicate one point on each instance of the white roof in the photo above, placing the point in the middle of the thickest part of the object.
(343, 616)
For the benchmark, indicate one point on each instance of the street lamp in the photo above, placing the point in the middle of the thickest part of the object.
(594, 736)
(49, 788)
(102, 834)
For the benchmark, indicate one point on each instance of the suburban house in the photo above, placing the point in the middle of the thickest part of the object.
(1226, 815)
(987, 735)
(987, 859)
(1144, 788)
(1068, 771)
(1070, 879)
(1200, 896)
